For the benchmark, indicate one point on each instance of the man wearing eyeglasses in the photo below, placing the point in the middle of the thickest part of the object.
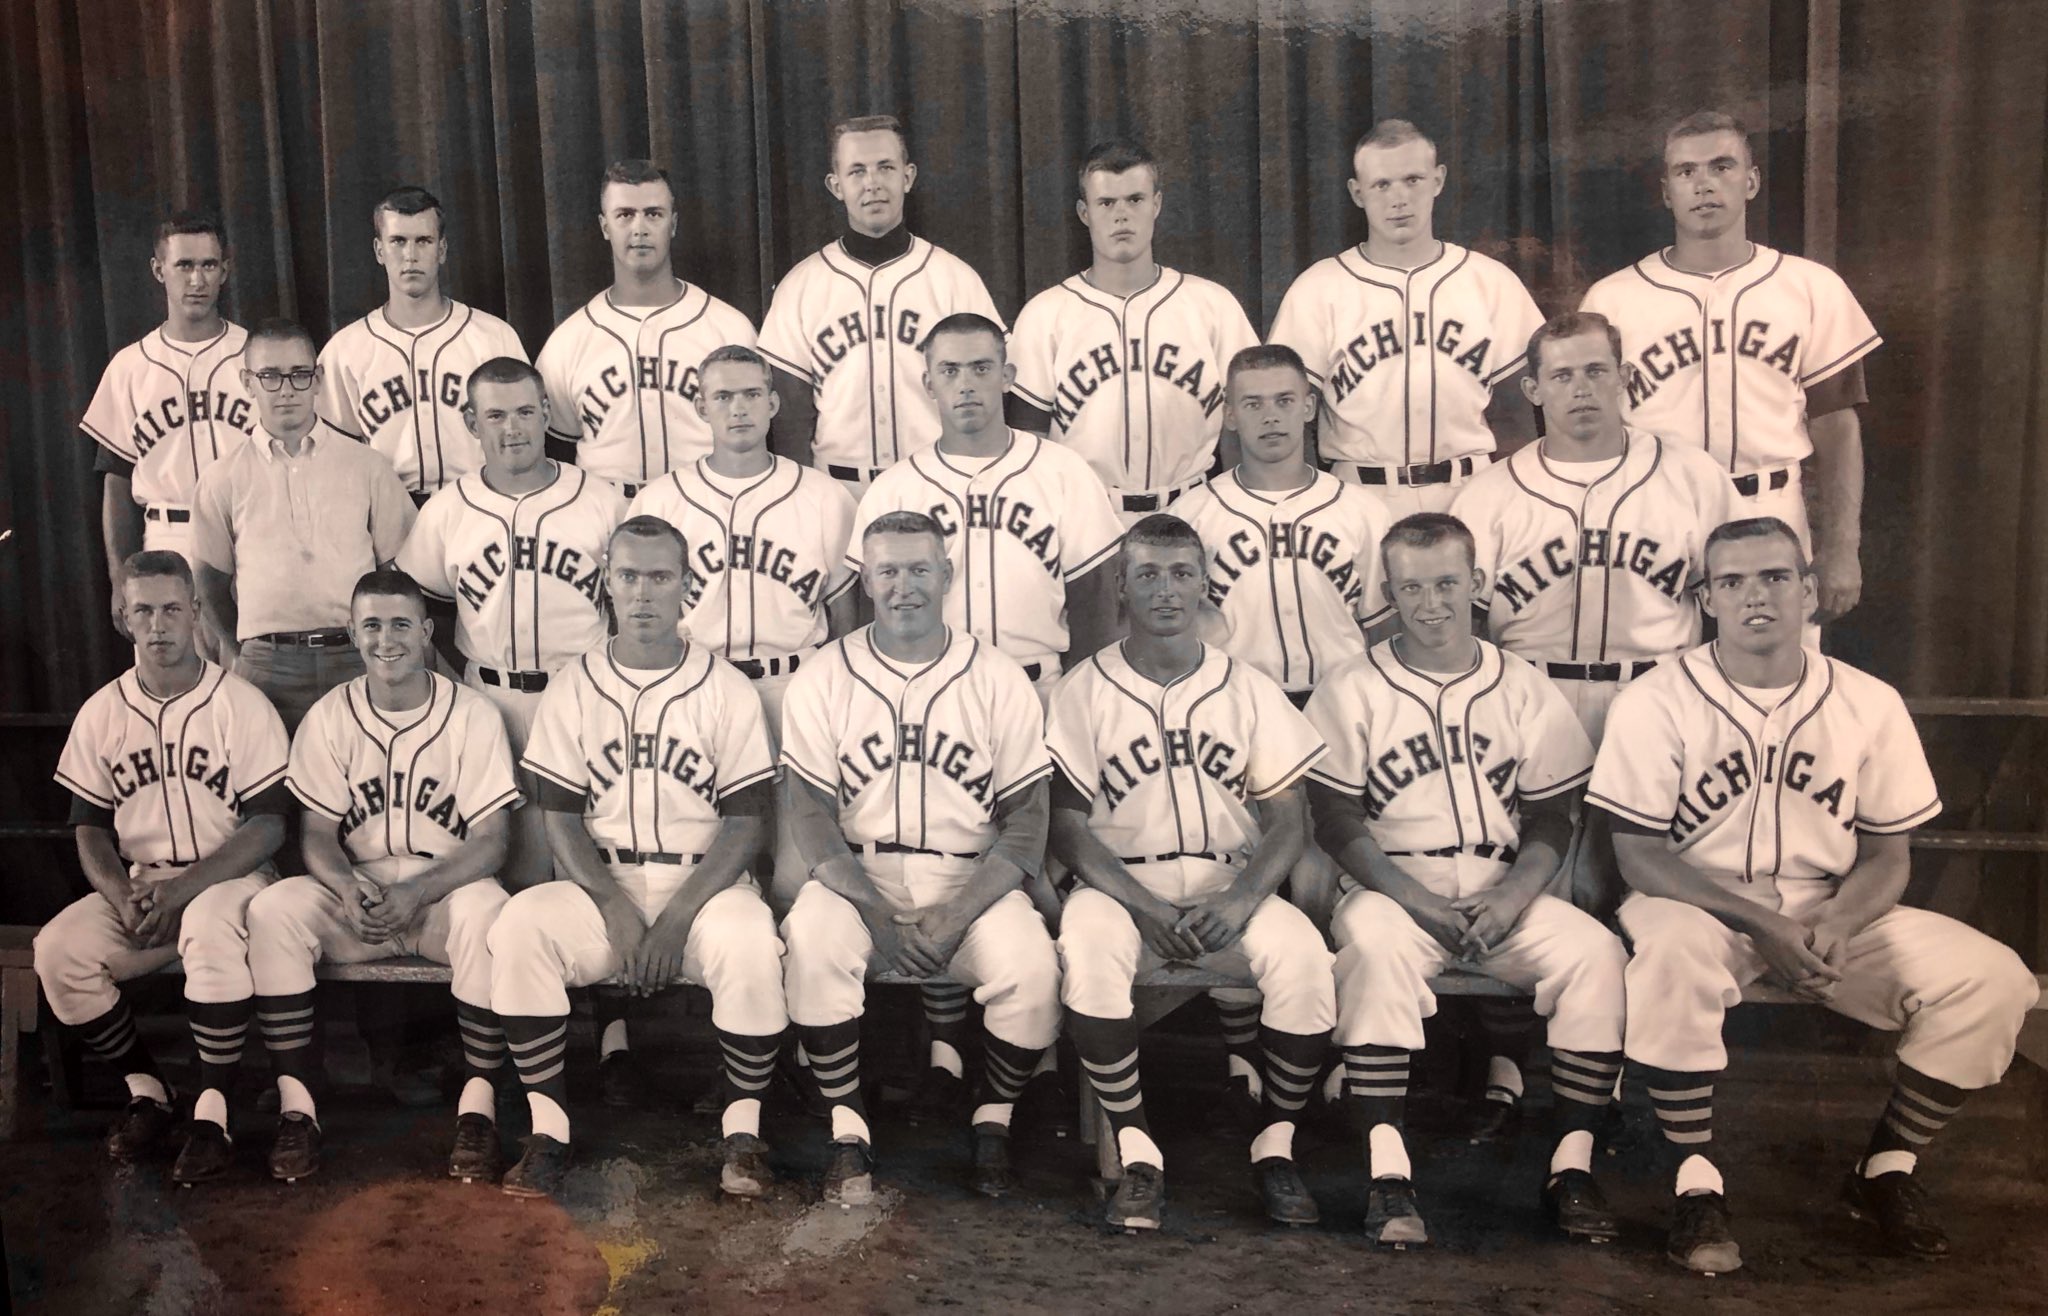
(286, 525)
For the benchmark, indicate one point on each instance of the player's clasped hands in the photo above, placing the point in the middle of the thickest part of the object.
(161, 905)
(1796, 957)
(1165, 932)
(1490, 915)
(658, 960)
(1219, 922)
(391, 915)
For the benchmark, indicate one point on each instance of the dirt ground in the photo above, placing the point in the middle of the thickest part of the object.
(644, 1231)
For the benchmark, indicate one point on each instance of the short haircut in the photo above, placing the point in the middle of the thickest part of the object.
(651, 527)
(1425, 530)
(736, 354)
(1118, 155)
(966, 322)
(1754, 527)
(1571, 325)
(1264, 356)
(193, 223)
(409, 200)
(866, 123)
(1703, 123)
(500, 370)
(277, 329)
(904, 523)
(1163, 530)
(631, 173)
(1389, 133)
(161, 562)
(388, 581)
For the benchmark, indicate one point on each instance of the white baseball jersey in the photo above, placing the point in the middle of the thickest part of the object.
(622, 381)
(1757, 788)
(1174, 769)
(526, 574)
(1296, 574)
(1446, 761)
(174, 772)
(650, 753)
(917, 757)
(1725, 360)
(766, 554)
(1134, 384)
(1018, 527)
(172, 409)
(854, 332)
(1407, 359)
(404, 785)
(402, 390)
(1594, 561)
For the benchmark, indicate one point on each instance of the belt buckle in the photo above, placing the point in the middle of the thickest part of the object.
(1603, 671)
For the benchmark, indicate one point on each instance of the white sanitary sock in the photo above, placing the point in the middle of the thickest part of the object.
(1388, 1154)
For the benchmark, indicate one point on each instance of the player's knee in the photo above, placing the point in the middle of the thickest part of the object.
(280, 912)
(520, 925)
(2007, 987)
(62, 961)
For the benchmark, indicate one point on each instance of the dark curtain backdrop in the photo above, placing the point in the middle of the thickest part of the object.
(1909, 137)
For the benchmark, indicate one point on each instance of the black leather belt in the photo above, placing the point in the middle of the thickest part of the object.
(174, 515)
(756, 668)
(335, 638)
(1157, 502)
(630, 489)
(894, 847)
(528, 682)
(1483, 850)
(1172, 855)
(1299, 698)
(1750, 485)
(861, 474)
(1426, 473)
(419, 496)
(1599, 671)
(647, 857)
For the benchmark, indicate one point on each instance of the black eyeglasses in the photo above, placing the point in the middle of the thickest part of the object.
(272, 380)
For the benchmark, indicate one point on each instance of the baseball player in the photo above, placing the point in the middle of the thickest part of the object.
(396, 377)
(406, 779)
(844, 327)
(1178, 805)
(1124, 362)
(765, 540)
(1763, 801)
(649, 756)
(622, 370)
(169, 405)
(1407, 335)
(916, 785)
(1446, 799)
(176, 773)
(1752, 354)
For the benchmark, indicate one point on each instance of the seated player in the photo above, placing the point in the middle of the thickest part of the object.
(1763, 800)
(1446, 798)
(176, 772)
(407, 781)
(916, 784)
(1179, 808)
(649, 755)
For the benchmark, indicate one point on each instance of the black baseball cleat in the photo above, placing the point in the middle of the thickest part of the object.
(1391, 1218)
(991, 1176)
(1497, 1122)
(1572, 1201)
(620, 1085)
(745, 1172)
(208, 1154)
(1699, 1239)
(1139, 1199)
(1898, 1206)
(850, 1179)
(138, 1129)
(543, 1165)
(476, 1154)
(1046, 1106)
(940, 1099)
(1287, 1198)
(296, 1153)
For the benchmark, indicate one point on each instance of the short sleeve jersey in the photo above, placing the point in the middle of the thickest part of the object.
(171, 410)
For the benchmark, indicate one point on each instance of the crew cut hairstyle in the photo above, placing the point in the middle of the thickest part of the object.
(1425, 530)
(1570, 325)
(389, 581)
(736, 354)
(1116, 156)
(500, 370)
(630, 173)
(904, 523)
(865, 123)
(965, 322)
(1265, 356)
(1754, 527)
(277, 329)
(1701, 123)
(652, 527)
(1163, 530)
(191, 223)
(1393, 132)
(409, 200)
(161, 562)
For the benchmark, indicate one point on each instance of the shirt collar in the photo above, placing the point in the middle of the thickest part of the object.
(273, 447)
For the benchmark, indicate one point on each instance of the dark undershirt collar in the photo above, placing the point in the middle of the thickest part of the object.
(876, 251)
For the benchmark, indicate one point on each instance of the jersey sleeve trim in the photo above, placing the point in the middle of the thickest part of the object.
(1322, 775)
(261, 785)
(85, 427)
(751, 779)
(511, 796)
(829, 787)
(1033, 398)
(844, 585)
(89, 796)
(326, 811)
(1025, 782)
(1578, 778)
(1842, 362)
(1509, 369)
(1096, 559)
(787, 366)
(1085, 790)
(551, 774)
(1293, 774)
(1893, 827)
(1620, 810)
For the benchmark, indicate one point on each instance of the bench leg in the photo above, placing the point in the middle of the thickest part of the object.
(19, 996)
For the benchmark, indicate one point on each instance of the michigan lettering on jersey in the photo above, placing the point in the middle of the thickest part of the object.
(655, 374)
(1217, 760)
(682, 763)
(831, 344)
(1285, 541)
(1103, 364)
(400, 393)
(955, 759)
(762, 556)
(427, 798)
(1002, 512)
(1521, 582)
(1683, 351)
(1730, 778)
(542, 556)
(1382, 342)
(179, 410)
(1419, 757)
(142, 769)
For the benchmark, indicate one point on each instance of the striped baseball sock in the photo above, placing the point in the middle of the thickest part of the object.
(113, 1038)
(1509, 1026)
(219, 1031)
(945, 1014)
(1920, 1107)
(1109, 1057)
(1238, 1015)
(1006, 1068)
(1293, 1061)
(539, 1045)
(1581, 1089)
(1376, 1084)
(749, 1064)
(1684, 1102)
(483, 1058)
(834, 1052)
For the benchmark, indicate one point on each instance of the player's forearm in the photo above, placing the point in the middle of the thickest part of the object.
(479, 857)
(1510, 416)
(120, 525)
(1341, 831)
(1539, 853)
(1648, 865)
(99, 854)
(1283, 823)
(1229, 450)
(446, 632)
(246, 850)
(823, 848)
(793, 432)
(842, 614)
(1022, 820)
(326, 861)
(1838, 469)
(576, 857)
(739, 840)
(1091, 612)
(1874, 885)
(217, 594)
(1093, 863)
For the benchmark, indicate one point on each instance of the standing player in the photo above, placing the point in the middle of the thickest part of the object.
(1753, 354)
(845, 325)
(765, 543)
(176, 773)
(395, 378)
(406, 779)
(1407, 335)
(916, 786)
(650, 760)
(1179, 807)
(1763, 801)
(1124, 362)
(170, 405)
(622, 371)
(1446, 799)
